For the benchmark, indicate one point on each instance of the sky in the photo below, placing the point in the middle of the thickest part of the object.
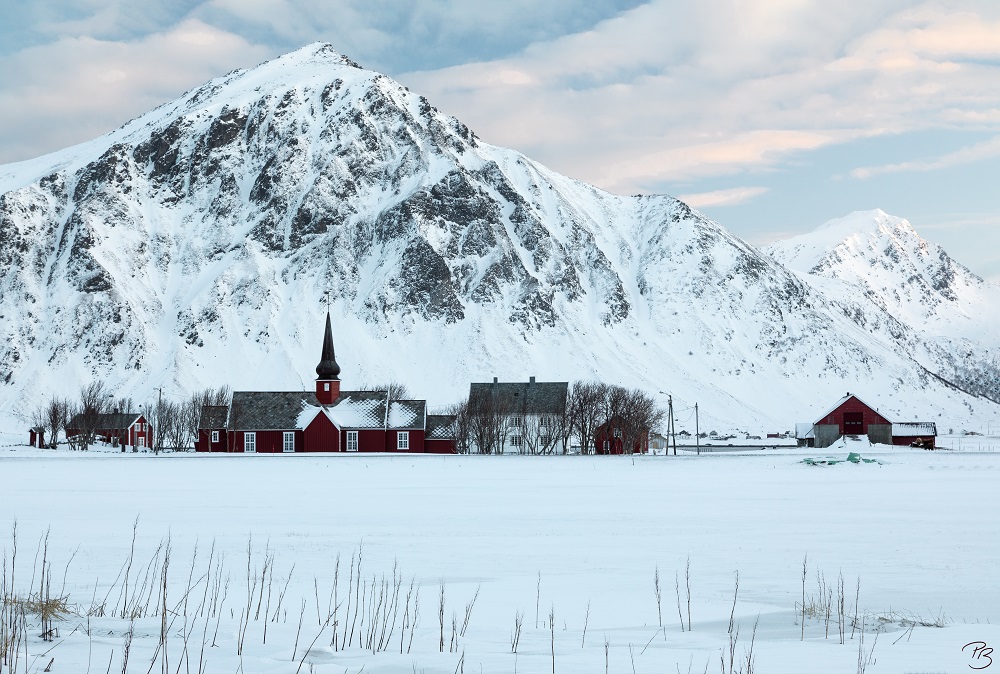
(770, 116)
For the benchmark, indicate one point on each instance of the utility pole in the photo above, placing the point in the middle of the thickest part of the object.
(670, 423)
(697, 438)
(159, 416)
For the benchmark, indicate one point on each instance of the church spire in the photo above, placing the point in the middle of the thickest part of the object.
(327, 381)
(327, 368)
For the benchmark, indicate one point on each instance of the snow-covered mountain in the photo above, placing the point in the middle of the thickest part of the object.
(195, 246)
(878, 270)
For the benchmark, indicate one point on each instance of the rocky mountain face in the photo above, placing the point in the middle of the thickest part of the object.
(877, 270)
(201, 243)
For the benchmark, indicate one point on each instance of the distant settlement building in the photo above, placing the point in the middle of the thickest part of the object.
(324, 420)
(852, 416)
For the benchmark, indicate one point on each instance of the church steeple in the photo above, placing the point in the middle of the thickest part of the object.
(328, 380)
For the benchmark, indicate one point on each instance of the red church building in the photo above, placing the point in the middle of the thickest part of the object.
(324, 420)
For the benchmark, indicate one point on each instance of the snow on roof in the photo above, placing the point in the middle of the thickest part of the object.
(407, 414)
(440, 426)
(805, 431)
(359, 409)
(914, 428)
(841, 402)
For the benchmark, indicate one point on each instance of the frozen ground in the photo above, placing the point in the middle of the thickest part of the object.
(534, 535)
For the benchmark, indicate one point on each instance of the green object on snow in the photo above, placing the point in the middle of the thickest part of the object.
(853, 457)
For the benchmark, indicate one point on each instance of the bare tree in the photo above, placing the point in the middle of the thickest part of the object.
(93, 404)
(541, 434)
(461, 427)
(395, 389)
(194, 407)
(56, 417)
(490, 415)
(586, 411)
(639, 417)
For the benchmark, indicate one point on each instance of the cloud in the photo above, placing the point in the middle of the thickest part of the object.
(75, 89)
(988, 149)
(727, 197)
(662, 93)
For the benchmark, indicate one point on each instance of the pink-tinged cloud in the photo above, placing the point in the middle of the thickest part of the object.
(104, 83)
(727, 197)
(988, 149)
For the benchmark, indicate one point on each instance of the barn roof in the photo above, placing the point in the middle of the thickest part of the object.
(440, 427)
(841, 402)
(213, 416)
(528, 397)
(914, 429)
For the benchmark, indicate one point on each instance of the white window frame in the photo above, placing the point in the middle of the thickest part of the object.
(141, 441)
(288, 441)
(403, 440)
(516, 441)
(326, 386)
(515, 420)
(546, 422)
(249, 442)
(607, 445)
(618, 433)
(351, 445)
(215, 436)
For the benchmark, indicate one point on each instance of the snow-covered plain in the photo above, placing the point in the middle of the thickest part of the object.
(533, 535)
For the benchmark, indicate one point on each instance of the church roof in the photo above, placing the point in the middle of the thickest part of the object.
(213, 417)
(440, 426)
(289, 410)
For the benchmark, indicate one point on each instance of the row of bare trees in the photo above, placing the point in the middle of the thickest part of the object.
(174, 424)
(487, 422)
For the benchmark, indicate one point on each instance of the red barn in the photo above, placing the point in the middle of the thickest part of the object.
(36, 437)
(324, 420)
(852, 416)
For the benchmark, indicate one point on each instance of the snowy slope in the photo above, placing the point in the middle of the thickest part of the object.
(195, 246)
(874, 265)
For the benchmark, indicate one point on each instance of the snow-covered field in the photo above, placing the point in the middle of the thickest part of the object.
(535, 536)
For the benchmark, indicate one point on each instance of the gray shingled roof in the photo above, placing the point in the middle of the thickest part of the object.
(213, 417)
(405, 414)
(280, 410)
(440, 427)
(528, 397)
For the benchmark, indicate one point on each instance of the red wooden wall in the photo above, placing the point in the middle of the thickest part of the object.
(852, 404)
(321, 436)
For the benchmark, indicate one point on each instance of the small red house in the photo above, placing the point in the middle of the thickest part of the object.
(115, 428)
(324, 420)
(609, 439)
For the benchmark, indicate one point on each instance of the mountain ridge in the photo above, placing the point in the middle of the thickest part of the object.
(195, 246)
